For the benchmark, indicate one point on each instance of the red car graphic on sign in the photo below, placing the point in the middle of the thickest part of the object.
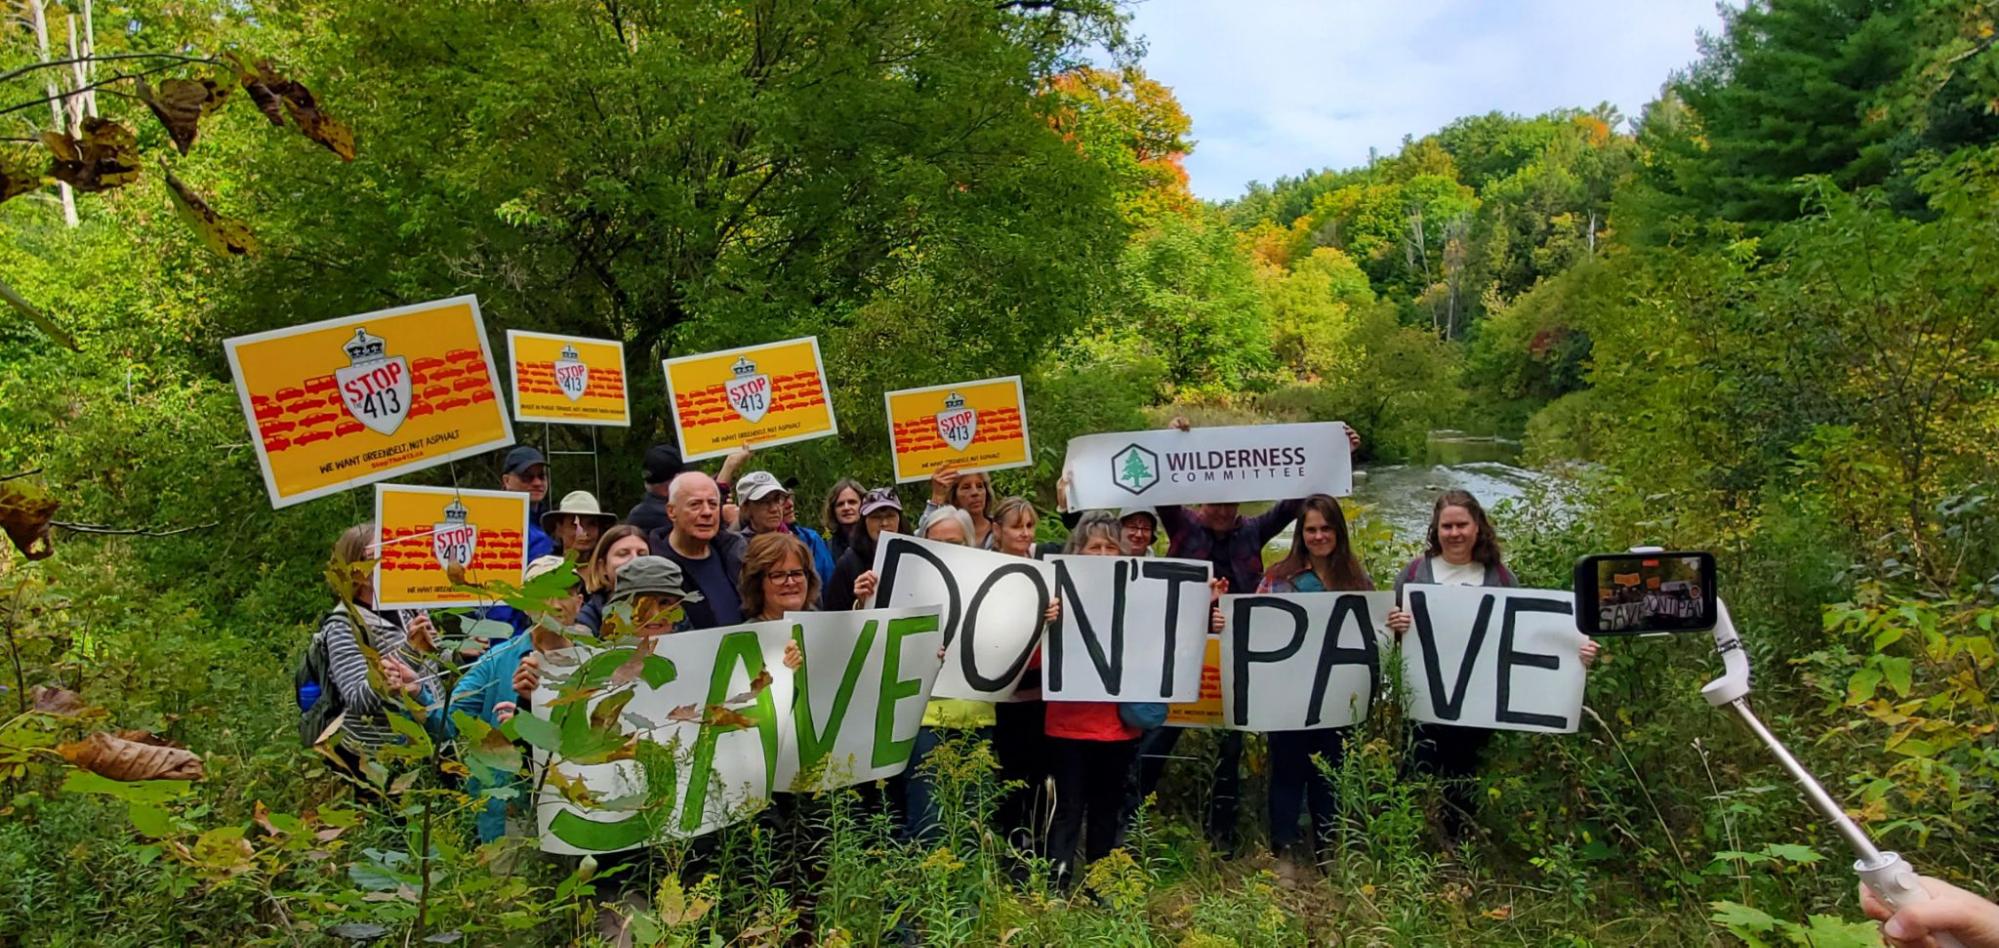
(310, 437)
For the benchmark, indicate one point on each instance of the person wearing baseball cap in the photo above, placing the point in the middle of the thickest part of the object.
(765, 501)
(881, 512)
(662, 465)
(577, 522)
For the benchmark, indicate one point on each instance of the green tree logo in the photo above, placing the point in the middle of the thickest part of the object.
(1135, 469)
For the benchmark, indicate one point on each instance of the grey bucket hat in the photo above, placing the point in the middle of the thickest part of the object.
(653, 574)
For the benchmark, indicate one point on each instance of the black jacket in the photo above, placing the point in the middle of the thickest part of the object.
(728, 545)
(650, 514)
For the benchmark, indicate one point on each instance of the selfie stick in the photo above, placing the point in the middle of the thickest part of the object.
(1886, 874)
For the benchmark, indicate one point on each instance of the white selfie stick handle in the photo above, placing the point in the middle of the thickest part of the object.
(1892, 881)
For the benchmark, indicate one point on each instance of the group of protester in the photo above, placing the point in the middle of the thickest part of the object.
(703, 551)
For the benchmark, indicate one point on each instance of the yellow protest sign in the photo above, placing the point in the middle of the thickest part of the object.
(1206, 712)
(428, 534)
(970, 426)
(568, 380)
(350, 401)
(756, 395)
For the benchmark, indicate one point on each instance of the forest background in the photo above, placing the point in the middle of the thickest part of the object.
(1761, 317)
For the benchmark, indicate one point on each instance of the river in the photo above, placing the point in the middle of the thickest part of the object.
(1400, 495)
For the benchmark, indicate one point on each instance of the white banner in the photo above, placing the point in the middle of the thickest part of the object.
(993, 609)
(1208, 465)
(861, 688)
(1491, 657)
(1302, 661)
(720, 707)
(1132, 629)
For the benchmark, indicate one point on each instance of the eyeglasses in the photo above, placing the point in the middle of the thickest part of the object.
(784, 576)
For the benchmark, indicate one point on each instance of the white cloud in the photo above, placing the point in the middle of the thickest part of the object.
(1278, 86)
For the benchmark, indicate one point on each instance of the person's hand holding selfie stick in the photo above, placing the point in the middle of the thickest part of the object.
(1886, 876)
(1650, 591)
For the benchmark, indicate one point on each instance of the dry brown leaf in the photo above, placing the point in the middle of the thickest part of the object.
(317, 125)
(628, 672)
(106, 157)
(686, 713)
(181, 104)
(24, 513)
(278, 96)
(719, 716)
(121, 759)
(261, 816)
(255, 84)
(226, 236)
(50, 699)
(757, 684)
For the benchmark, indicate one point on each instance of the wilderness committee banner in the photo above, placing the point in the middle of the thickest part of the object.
(1208, 465)
(345, 402)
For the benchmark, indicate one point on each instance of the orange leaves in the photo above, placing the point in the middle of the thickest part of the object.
(106, 157)
(134, 755)
(278, 97)
(24, 514)
(181, 104)
(226, 236)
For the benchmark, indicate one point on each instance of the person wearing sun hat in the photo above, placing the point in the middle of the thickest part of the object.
(655, 588)
(577, 522)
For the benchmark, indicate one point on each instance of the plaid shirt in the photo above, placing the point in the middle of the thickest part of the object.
(1188, 538)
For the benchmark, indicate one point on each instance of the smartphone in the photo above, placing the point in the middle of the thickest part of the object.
(1645, 593)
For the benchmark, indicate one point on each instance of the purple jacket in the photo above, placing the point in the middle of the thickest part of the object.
(1188, 539)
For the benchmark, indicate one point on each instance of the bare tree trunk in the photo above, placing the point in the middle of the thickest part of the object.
(37, 10)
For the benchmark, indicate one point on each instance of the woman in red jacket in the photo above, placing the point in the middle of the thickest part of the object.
(1090, 749)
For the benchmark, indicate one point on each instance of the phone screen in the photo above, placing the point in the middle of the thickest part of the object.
(1640, 593)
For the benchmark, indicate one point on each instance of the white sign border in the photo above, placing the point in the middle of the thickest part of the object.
(526, 511)
(514, 382)
(250, 411)
(1019, 396)
(825, 384)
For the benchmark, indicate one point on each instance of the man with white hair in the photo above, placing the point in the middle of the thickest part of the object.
(708, 555)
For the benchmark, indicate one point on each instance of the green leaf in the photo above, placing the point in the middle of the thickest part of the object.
(1793, 852)
(1741, 920)
(1826, 931)
(136, 791)
(657, 672)
(605, 715)
(535, 730)
(489, 630)
(1898, 671)
(151, 820)
(1860, 688)
(419, 739)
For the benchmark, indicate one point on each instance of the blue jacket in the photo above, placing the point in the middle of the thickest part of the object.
(478, 692)
(822, 556)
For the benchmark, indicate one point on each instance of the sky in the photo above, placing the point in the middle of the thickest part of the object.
(1276, 87)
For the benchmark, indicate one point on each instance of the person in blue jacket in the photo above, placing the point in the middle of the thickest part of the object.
(767, 507)
(490, 690)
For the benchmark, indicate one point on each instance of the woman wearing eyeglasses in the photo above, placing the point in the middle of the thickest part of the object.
(777, 578)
